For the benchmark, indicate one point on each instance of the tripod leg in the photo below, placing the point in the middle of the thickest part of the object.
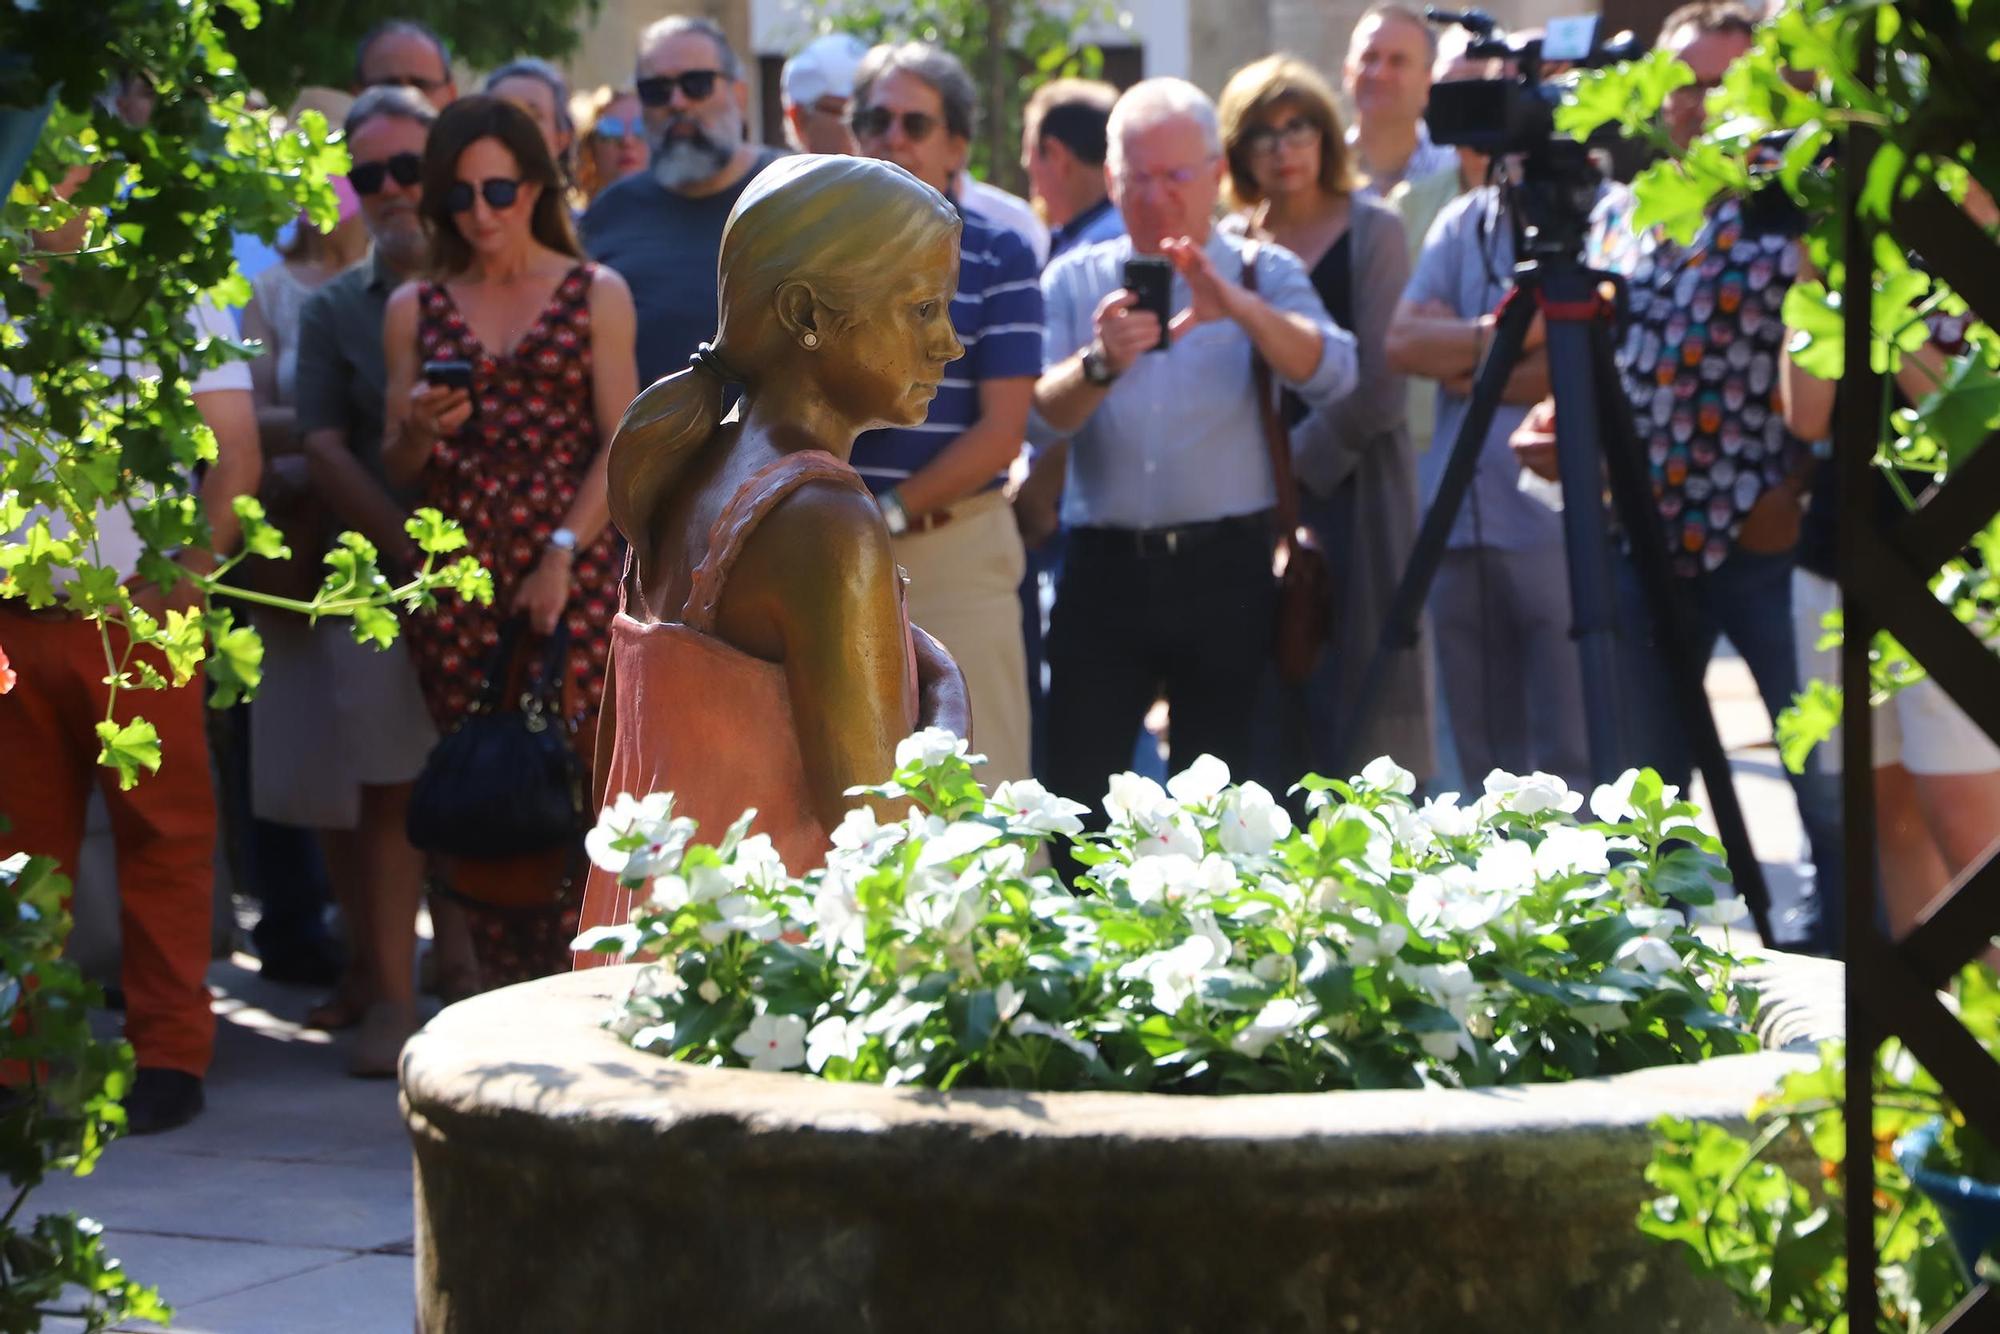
(1406, 607)
(1632, 492)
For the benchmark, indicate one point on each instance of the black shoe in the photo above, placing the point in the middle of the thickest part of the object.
(162, 1100)
(306, 967)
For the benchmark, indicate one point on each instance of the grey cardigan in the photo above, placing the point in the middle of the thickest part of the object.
(1368, 532)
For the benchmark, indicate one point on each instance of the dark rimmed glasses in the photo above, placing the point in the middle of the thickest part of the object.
(874, 123)
(695, 84)
(1294, 133)
(497, 191)
(367, 177)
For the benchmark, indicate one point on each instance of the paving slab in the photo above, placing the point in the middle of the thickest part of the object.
(365, 1294)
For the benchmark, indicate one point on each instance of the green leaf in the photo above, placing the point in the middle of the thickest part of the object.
(1812, 717)
(129, 747)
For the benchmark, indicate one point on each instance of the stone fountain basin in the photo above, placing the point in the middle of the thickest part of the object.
(566, 1182)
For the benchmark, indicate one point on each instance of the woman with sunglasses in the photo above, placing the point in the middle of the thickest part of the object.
(509, 442)
(1291, 182)
(613, 135)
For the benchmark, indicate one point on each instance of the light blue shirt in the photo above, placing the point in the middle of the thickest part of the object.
(1178, 438)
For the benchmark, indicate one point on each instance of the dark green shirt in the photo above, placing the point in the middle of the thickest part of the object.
(343, 383)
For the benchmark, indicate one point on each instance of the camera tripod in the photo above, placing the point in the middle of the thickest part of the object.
(1596, 445)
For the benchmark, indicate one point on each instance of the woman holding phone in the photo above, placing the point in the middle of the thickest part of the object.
(508, 371)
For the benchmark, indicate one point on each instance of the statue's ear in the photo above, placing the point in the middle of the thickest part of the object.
(801, 312)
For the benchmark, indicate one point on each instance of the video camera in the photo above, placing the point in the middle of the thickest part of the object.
(1514, 114)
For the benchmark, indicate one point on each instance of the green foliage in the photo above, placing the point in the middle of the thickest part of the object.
(1212, 947)
(281, 57)
(1009, 48)
(1765, 1214)
(1934, 109)
(59, 1116)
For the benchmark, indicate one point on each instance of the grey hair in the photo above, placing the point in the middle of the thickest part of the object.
(673, 25)
(1152, 102)
(935, 66)
(388, 100)
(1384, 12)
(528, 67)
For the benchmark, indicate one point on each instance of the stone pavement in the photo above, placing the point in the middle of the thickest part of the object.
(286, 1207)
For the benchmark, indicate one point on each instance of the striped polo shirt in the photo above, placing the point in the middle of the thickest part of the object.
(998, 315)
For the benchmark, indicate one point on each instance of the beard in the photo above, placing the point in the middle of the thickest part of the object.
(400, 237)
(683, 160)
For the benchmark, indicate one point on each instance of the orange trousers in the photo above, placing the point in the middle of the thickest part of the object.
(163, 829)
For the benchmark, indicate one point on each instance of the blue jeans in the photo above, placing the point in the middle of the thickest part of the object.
(1749, 598)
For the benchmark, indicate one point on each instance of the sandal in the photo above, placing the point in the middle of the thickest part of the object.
(341, 1010)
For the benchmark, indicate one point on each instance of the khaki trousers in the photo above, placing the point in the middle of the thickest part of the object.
(965, 582)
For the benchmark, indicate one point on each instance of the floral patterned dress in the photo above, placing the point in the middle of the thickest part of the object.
(508, 477)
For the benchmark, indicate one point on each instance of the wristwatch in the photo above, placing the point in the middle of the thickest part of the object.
(1097, 367)
(563, 540)
(893, 513)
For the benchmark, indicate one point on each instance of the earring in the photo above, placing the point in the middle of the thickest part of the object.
(809, 338)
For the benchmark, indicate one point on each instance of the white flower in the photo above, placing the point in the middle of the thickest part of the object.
(708, 991)
(1407, 827)
(773, 1042)
(1443, 1044)
(1565, 849)
(831, 1037)
(1385, 775)
(957, 839)
(1133, 798)
(1200, 783)
(838, 914)
(1601, 1018)
(1277, 1019)
(860, 836)
(1364, 951)
(1660, 922)
(1007, 1000)
(1532, 795)
(757, 862)
(1722, 912)
(1612, 802)
(670, 892)
(1175, 974)
(1446, 818)
(1251, 821)
(741, 913)
(708, 883)
(1449, 902)
(1649, 954)
(1451, 985)
(932, 747)
(1505, 870)
(1031, 808)
(1169, 836)
(649, 819)
(1207, 928)
(1175, 877)
(1272, 968)
(1026, 1025)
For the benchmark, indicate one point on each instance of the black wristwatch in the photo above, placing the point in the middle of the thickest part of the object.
(1097, 367)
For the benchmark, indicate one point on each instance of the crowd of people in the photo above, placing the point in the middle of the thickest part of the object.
(1085, 516)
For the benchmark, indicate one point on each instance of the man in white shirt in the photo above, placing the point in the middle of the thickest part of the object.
(1389, 78)
(164, 827)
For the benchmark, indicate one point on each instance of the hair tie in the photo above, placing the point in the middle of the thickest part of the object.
(706, 358)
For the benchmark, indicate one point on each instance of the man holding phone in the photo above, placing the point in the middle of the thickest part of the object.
(1168, 582)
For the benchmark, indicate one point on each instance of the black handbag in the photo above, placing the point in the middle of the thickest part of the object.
(504, 782)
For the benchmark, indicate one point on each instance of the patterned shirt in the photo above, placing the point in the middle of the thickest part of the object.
(1700, 360)
(998, 315)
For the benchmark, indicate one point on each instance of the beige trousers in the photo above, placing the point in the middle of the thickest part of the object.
(965, 581)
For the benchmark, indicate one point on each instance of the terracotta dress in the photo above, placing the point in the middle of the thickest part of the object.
(508, 477)
(708, 722)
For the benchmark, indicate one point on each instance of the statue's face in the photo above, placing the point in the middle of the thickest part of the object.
(885, 368)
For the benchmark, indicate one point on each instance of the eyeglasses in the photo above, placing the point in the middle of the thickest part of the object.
(1294, 133)
(695, 84)
(1177, 178)
(618, 127)
(498, 191)
(874, 123)
(367, 177)
(416, 81)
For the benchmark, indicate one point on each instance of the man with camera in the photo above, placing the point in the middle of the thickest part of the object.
(1168, 582)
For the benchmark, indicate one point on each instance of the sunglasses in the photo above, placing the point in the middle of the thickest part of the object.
(618, 127)
(497, 191)
(416, 81)
(367, 177)
(874, 123)
(695, 84)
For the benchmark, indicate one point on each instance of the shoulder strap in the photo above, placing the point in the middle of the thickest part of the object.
(740, 517)
(1277, 440)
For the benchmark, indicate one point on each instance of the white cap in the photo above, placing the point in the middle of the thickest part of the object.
(824, 68)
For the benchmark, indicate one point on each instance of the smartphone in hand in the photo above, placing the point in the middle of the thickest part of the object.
(449, 374)
(1151, 279)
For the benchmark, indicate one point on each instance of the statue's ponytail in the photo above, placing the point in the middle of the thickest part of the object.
(660, 434)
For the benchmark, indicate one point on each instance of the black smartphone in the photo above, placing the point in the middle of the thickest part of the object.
(449, 374)
(1151, 279)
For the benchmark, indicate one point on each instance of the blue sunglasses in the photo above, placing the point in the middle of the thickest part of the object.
(618, 127)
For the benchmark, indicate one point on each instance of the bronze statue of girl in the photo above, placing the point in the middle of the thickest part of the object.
(763, 657)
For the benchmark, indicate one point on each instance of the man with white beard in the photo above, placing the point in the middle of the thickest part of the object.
(662, 229)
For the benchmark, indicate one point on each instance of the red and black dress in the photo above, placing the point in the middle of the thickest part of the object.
(508, 477)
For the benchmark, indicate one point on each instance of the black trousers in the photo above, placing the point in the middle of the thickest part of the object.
(1187, 612)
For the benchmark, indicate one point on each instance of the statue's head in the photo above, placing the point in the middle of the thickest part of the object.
(836, 273)
(841, 270)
